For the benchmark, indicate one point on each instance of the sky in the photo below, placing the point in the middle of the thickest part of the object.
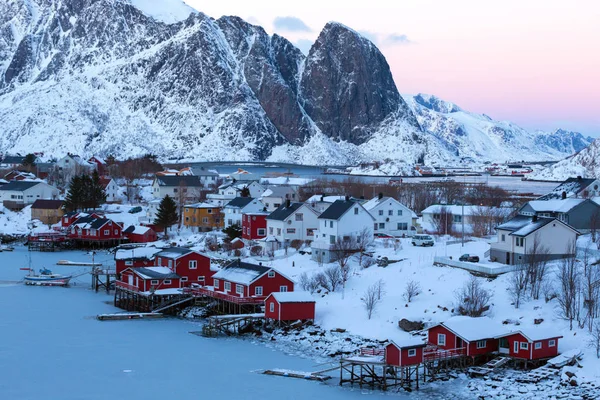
(533, 62)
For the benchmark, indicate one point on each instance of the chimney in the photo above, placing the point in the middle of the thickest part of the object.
(260, 263)
(322, 197)
(288, 203)
(563, 195)
(380, 196)
(347, 198)
(534, 218)
(578, 177)
(362, 197)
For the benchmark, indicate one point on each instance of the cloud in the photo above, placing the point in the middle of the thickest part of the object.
(291, 24)
(398, 39)
(304, 45)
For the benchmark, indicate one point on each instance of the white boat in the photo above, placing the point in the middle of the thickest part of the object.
(46, 278)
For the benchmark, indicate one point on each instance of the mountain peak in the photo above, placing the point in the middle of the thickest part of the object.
(436, 104)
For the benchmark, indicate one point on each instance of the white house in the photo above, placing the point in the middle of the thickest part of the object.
(518, 237)
(275, 196)
(432, 214)
(321, 202)
(186, 188)
(207, 177)
(292, 221)
(26, 192)
(344, 219)
(112, 190)
(73, 161)
(233, 210)
(391, 216)
(230, 190)
(581, 188)
(151, 211)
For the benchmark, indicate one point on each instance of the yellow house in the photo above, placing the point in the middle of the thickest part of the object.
(47, 211)
(203, 216)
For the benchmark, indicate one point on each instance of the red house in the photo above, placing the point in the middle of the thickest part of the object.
(135, 257)
(254, 225)
(240, 279)
(192, 266)
(140, 234)
(145, 279)
(100, 163)
(529, 344)
(405, 353)
(69, 218)
(290, 306)
(472, 336)
(97, 231)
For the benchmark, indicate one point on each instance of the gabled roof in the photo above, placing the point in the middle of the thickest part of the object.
(555, 205)
(409, 343)
(292, 297)
(187, 180)
(203, 172)
(283, 211)
(523, 225)
(241, 272)
(374, 202)
(136, 229)
(98, 223)
(239, 202)
(154, 272)
(571, 187)
(472, 329)
(337, 209)
(137, 253)
(13, 160)
(19, 186)
(201, 205)
(47, 204)
(533, 334)
(174, 252)
(278, 191)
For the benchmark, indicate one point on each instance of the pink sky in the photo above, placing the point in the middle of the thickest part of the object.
(533, 62)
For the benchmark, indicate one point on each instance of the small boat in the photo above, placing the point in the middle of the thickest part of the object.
(6, 248)
(46, 278)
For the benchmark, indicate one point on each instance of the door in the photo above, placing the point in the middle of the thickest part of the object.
(130, 278)
(516, 347)
(459, 343)
(503, 346)
(507, 258)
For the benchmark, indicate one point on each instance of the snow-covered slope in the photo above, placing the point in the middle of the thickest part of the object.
(477, 136)
(167, 11)
(586, 164)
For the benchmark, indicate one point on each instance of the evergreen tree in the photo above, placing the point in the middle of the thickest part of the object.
(97, 192)
(233, 231)
(74, 197)
(29, 160)
(245, 192)
(166, 215)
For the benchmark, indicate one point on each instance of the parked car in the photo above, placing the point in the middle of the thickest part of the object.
(135, 210)
(379, 235)
(422, 240)
(468, 258)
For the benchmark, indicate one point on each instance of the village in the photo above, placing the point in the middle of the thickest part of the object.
(436, 273)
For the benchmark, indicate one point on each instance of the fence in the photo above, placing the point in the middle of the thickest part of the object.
(485, 269)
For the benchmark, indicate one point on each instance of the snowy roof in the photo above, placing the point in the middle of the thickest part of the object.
(534, 333)
(337, 209)
(326, 199)
(286, 180)
(241, 272)
(555, 205)
(201, 205)
(239, 202)
(144, 253)
(155, 272)
(137, 229)
(571, 187)
(174, 252)
(523, 225)
(189, 180)
(453, 209)
(410, 342)
(374, 202)
(293, 297)
(278, 191)
(472, 329)
(203, 172)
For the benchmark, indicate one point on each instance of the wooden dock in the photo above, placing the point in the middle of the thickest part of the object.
(126, 316)
(229, 325)
(311, 376)
(489, 366)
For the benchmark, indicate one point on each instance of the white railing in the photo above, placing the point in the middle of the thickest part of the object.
(486, 269)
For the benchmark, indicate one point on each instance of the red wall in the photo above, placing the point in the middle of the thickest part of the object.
(121, 266)
(145, 284)
(149, 236)
(289, 311)
(251, 224)
(450, 337)
(392, 356)
(545, 352)
(181, 266)
(491, 345)
(114, 232)
(271, 285)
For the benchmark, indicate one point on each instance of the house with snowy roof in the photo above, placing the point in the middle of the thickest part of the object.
(208, 177)
(140, 234)
(275, 196)
(518, 239)
(461, 215)
(204, 216)
(128, 256)
(241, 279)
(321, 202)
(100, 164)
(232, 212)
(579, 188)
(75, 162)
(190, 265)
(96, 231)
(343, 220)
(148, 279)
(112, 190)
(582, 214)
(254, 220)
(232, 189)
(23, 193)
(177, 187)
(290, 307)
(292, 221)
(391, 216)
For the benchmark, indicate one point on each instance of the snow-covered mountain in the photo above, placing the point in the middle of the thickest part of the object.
(130, 77)
(586, 164)
(479, 137)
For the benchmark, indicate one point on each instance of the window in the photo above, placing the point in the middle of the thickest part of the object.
(375, 226)
(239, 289)
(209, 210)
(283, 288)
(278, 231)
(402, 226)
(310, 232)
(106, 232)
(261, 232)
(552, 343)
(538, 345)
(201, 279)
(187, 210)
(524, 346)
(441, 339)
(227, 286)
(187, 219)
(381, 225)
(271, 274)
(519, 241)
(272, 307)
(331, 239)
(193, 264)
(154, 282)
(503, 237)
(276, 205)
(175, 190)
(399, 213)
(291, 230)
(270, 230)
(457, 218)
(116, 231)
(167, 282)
(299, 217)
(184, 279)
(205, 220)
(355, 210)
(128, 262)
(412, 352)
(481, 344)
(380, 212)
(390, 212)
(258, 291)
(331, 224)
(170, 264)
(215, 282)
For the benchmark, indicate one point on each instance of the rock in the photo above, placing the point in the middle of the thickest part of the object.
(538, 321)
(523, 389)
(338, 330)
(409, 326)
(569, 374)
(573, 382)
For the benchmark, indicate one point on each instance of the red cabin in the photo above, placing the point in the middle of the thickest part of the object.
(475, 336)
(135, 257)
(290, 306)
(405, 353)
(74, 216)
(192, 266)
(529, 344)
(254, 225)
(240, 279)
(101, 230)
(149, 279)
(140, 234)
(100, 163)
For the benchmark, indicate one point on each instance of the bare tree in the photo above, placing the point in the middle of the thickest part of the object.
(371, 298)
(590, 287)
(333, 278)
(308, 284)
(568, 277)
(364, 239)
(472, 299)
(517, 285)
(595, 225)
(411, 290)
(342, 249)
(442, 221)
(536, 264)
(595, 338)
